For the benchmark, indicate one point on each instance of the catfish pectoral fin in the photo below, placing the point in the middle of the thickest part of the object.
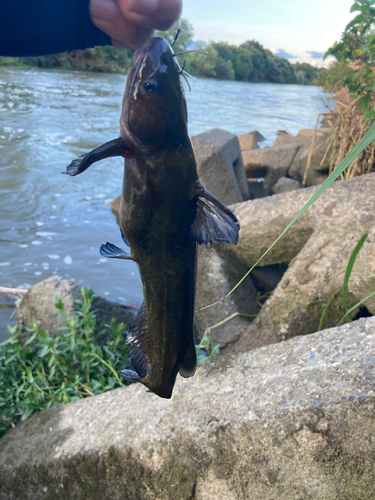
(213, 221)
(114, 252)
(116, 147)
(129, 375)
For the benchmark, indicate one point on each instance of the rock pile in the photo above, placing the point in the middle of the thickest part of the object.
(292, 420)
(317, 250)
(286, 161)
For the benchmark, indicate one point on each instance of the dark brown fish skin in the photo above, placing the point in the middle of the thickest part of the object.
(157, 211)
(164, 212)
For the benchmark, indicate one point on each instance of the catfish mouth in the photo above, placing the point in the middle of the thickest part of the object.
(151, 52)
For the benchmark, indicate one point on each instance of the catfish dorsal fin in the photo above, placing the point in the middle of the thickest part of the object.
(137, 340)
(213, 221)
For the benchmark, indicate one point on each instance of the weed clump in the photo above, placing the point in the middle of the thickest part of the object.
(48, 371)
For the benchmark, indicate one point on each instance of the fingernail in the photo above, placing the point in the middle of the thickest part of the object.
(142, 7)
(105, 10)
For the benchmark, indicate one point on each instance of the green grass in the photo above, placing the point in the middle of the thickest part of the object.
(48, 371)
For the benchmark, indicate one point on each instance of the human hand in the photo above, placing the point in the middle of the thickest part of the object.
(130, 23)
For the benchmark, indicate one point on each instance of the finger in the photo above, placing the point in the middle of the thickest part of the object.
(106, 16)
(151, 14)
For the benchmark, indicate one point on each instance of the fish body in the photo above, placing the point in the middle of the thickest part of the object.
(164, 213)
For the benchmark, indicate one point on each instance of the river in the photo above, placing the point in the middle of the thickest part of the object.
(52, 223)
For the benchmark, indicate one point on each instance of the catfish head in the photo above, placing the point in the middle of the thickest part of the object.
(154, 115)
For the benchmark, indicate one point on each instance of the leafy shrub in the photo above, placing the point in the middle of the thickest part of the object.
(47, 371)
(356, 51)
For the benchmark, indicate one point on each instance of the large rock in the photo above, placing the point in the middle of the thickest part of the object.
(309, 132)
(270, 163)
(220, 166)
(285, 184)
(283, 139)
(290, 421)
(215, 278)
(317, 248)
(319, 165)
(115, 208)
(39, 303)
(250, 140)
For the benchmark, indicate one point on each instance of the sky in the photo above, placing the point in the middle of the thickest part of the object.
(301, 28)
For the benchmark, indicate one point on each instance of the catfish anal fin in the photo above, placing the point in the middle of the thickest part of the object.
(213, 221)
(137, 342)
(112, 251)
(129, 375)
(116, 147)
(189, 364)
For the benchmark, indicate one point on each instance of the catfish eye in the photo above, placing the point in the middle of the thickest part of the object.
(150, 86)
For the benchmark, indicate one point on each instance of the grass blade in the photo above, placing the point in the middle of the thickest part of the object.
(358, 304)
(325, 310)
(109, 368)
(350, 265)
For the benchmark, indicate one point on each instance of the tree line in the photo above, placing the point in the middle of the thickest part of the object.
(248, 62)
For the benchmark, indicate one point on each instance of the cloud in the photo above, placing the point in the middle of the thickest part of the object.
(282, 53)
(315, 55)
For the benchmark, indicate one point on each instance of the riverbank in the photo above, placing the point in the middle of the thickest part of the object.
(219, 63)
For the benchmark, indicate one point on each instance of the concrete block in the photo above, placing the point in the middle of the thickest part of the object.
(220, 166)
(250, 140)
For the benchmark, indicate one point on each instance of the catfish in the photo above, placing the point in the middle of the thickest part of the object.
(165, 211)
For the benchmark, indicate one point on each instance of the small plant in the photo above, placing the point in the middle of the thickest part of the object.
(47, 371)
(206, 350)
(348, 273)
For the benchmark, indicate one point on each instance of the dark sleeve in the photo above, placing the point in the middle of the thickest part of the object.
(41, 27)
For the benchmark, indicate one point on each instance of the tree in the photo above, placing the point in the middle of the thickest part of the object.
(357, 49)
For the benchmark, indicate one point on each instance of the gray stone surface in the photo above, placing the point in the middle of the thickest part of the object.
(270, 163)
(290, 139)
(39, 303)
(267, 278)
(319, 165)
(290, 421)
(317, 247)
(285, 184)
(215, 278)
(257, 189)
(250, 140)
(220, 166)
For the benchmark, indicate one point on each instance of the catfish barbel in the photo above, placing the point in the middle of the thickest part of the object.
(165, 211)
